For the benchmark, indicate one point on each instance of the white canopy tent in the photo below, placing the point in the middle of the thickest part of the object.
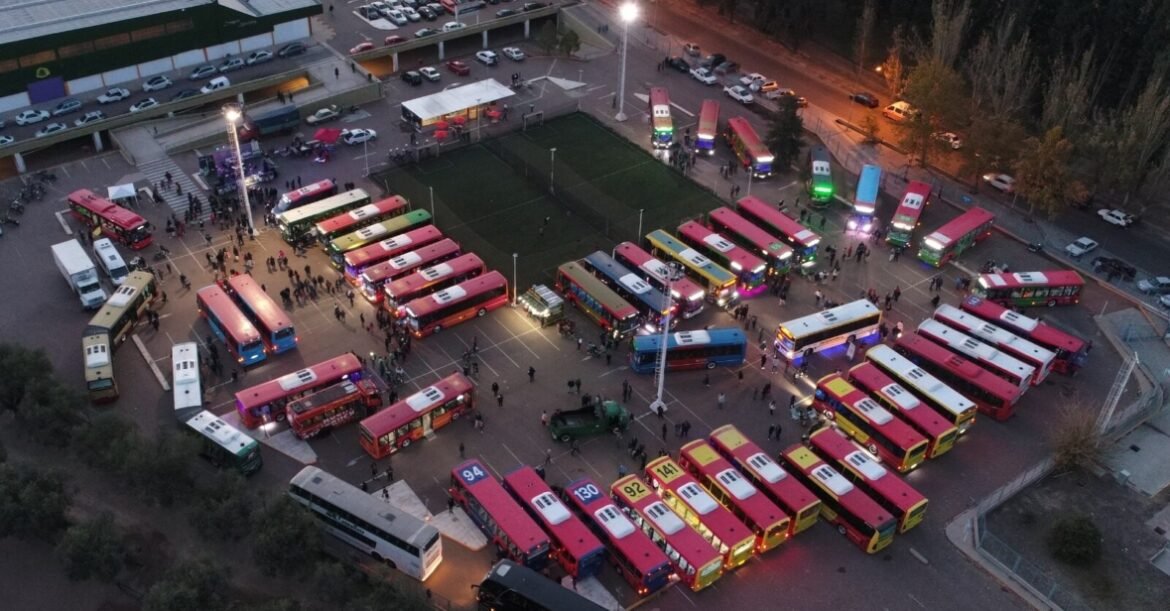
(122, 191)
(428, 109)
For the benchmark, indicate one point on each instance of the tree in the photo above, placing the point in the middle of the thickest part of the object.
(159, 470)
(1142, 131)
(1076, 541)
(1076, 443)
(93, 549)
(50, 412)
(275, 604)
(547, 37)
(785, 133)
(23, 369)
(1042, 172)
(337, 583)
(894, 68)
(287, 541)
(193, 585)
(570, 43)
(871, 128)
(864, 35)
(32, 503)
(991, 144)
(1001, 70)
(937, 93)
(107, 442)
(225, 510)
(727, 7)
(1069, 95)
(948, 29)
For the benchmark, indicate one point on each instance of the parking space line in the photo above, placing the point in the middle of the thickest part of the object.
(532, 327)
(484, 361)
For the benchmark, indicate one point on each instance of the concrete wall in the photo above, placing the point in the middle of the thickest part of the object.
(154, 67)
(219, 51)
(290, 31)
(190, 58)
(86, 83)
(16, 101)
(253, 43)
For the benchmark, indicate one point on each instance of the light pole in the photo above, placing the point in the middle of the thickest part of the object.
(628, 12)
(672, 273)
(233, 113)
(749, 181)
(639, 236)
(478, 112)
(552, 167)
(515, 290)
(432, 190)
(366, 156)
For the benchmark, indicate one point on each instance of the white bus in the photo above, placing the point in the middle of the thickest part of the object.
(225, 445)
(108, 257)
(374, 526)
(828, 328)
(998, 363)
(186, 385)
(1041, 359)
(957, 409)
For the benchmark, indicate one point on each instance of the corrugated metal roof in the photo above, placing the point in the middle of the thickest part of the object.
(459, 98)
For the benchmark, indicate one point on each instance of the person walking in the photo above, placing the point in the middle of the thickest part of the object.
(461, 454)
(531, 374)
(793, 410)
(771, 430)
(772, 408)
(721, 400)
(707, 380)
(500, 400)
(543, 418)
(495, 389)
(663, 434)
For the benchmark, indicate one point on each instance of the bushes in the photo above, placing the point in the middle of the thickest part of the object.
(1075, 541)
(32, 503)
(93, 549)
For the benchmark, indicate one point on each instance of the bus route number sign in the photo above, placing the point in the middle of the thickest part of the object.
(667, 471)
(472, 474)
(586, 493)
(635, 491)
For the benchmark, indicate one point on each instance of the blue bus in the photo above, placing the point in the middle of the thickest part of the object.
(273, 323)
(231, 326)
(726, 347)
(865, 203)
(653, 305)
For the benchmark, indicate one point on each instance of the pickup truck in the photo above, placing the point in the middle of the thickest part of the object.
(597, 418)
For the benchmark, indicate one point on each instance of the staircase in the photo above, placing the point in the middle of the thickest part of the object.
(155, 171)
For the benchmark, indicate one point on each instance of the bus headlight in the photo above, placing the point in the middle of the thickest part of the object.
(852, 224)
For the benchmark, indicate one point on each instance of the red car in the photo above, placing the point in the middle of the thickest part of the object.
(458, 67)
(394, 40)
(362, 48)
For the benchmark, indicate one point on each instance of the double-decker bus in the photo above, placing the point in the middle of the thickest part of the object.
(991, 394)
(346, 222)
(956, 236)
(820, 175)
(708, 128)
(728, 223)
(724, 482)
(802, 241)
(511, 586)
(687, 498)
(748, 268)
(231, 326)
(574, 547)
(265, 401)
(866, 200)
(334, 406)
(789, 494)
(186, 381)
(849, 322)
(894, 495)
(688, 295)
(747, 146)
(986, 357)
(852, 511)
(944, 400)
(416, 416)
(446, 308)
(338, 247)
(905, 220)
(631, 552)
(1071, 351)
(717, 281)
(864, 419)
(295, 224)
(369, 524)
(1021, 289)
(514, 534)
(1039, 358)
(597, 301)
(397, 293)
(358, 261)
(662, 129)
(376, 276)
(296, 198)
(696, 563)
(699, 349)
(938, 431)
(653, 305)
(223, 445)
(276, 328)
(114, 221)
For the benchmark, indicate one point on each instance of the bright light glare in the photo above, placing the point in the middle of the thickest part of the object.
(628, 12)
(232, 113)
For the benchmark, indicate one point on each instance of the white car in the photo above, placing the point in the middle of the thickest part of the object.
(358, 136)
(258, 57)
(322, 115)
(142, 105)
(92, 116)
(411, 14)
(513, 54)
(6, 140)
(1164, 300)
(1080, 247)
(202, 72)
(451, 26)
(1116, 217)
(703, 75)
(739, 93)
(951, 139)
(156, 83)
(1000, 182)
(51, 128)
(230, 65)
(29, 117)
(430, 73)
(752, 81)
(116, 94)
(487, 58)
(396, 16)
(1155, 286)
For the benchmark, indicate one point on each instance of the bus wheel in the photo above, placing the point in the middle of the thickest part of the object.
(481, 312)
(454, 415)
(1051, 303)
(391, 564)
(841, 529)
(437, 329)
(711, 365)
(872, 449)
(406, 442)
(565, 438)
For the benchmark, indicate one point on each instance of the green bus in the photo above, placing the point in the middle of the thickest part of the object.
(225, 445)
(295, 224)
(373, 233)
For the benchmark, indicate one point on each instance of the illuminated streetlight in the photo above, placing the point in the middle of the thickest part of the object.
(234, 113)
(627, 12)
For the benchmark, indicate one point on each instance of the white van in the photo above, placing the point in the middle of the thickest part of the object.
(899, 112)
(215, 84)
(108, 257)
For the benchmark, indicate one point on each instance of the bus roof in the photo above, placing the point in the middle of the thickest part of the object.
(911, 205)
(384, 229)
(738, 259)
(384, 249)
(871, 411)
(691, 258)
(778, 221)
(825, 319)
(325, 372)
(868, 377)
(708, 126)
(605, 265)
(833, 445)
(1058, 277)
(743, 130)
(411, 407)
(634, 493)
(682, 288)
(185, 384)
(758, 465)
(308, 211)
(377, 209)
(740, 490)
(833, 484)
(613, 302)
(271, 316)
(765, 243)
(222, 434)
(992, 334)
(228, 314)
(106, 209)
(960, 226)
(959, 366)
(1038, 331)
(525, 534)
(715, 517)
(373, 511)
(919, 380)
(570, 533)
(452, 295)
(106, 317)
(409, 261)
(983, 355)
(868, 186)
(427, 276)
(698, 337)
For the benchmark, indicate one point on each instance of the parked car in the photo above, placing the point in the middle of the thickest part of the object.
(691, 49)
(532, 6)
(4, 140)
(396, 17)
(369, 12)
(426, 13)
(459, 67)
(783, 92)
(362, 48)
(259, 57)
(713, 60)
(678, 63)
(1113, 266)
(322, 115)
(704, 76)
(864, 98)
(429, 73)
(950, 139)
(1164, 300)
(1155, 286)
(487, 57)
(739, 93)
(412, 77)
(425, 32)
(291, 49)
(728, 67)
(753, 81)
(358, 136)
(202, 72)
(394, 39)
(1081, 246)
(231, 64)
(156, 83)
(116, 94)
(29, 117)
(92, 116)
(184, 94)
(410, 13)
(1000, 182)
(215, 84)
(506, 12)
(1116, 217)
(451, 26)
(513, 54)
(142, 105)
(67, 106)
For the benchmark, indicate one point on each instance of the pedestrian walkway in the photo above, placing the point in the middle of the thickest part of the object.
(458, 527)
(592, 589)
(156, 170)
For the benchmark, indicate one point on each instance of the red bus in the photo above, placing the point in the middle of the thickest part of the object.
(230, 325)
(696, 563)
(256, 405)
(769, 523)
(573, 546)
(687, 498)
(398, 293)
(801, 240)
(940, 433)
(416, 416)
(1022, 289)
(778, 254)
(315, 192)
(376, 276)
(708, 128)
(893, 494)
(992, 394)
(998, 363)
(515, 535)
(116, 222)
(906, 217)
(688, 295)
(597, 301)
(865, 420)
(852, 511)
(662, 128)
(276, 328)
(944, 400)
(451, 306)
(631, 552)
(358, 261)
(749, 268)
(332, 407)
(768, 476)
(357, 218)
(955, 237)
(1071, 351)
(1039, 358)
(747, 146)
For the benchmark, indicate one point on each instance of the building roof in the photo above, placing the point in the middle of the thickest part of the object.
(457, 99)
